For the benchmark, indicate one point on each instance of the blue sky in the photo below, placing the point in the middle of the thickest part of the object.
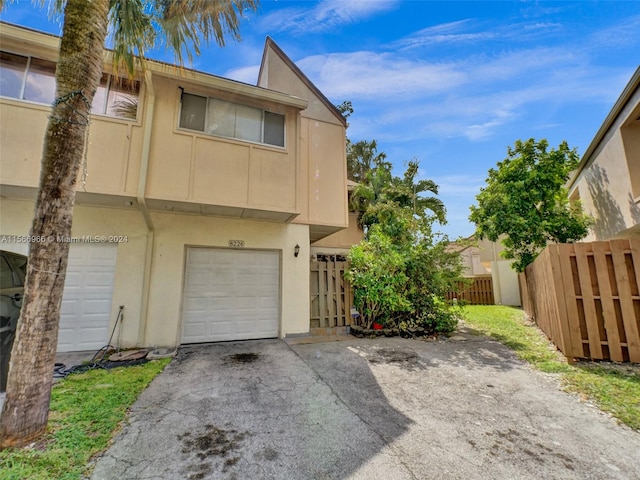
(452, 84)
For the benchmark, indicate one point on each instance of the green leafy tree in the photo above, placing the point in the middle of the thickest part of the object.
(433, 271)
(525, 200)
(377, 197)
(346, 109)
(377, 276)
(370, 191)
(407, 192)
(362, 158)
(400, 280)
(136, 26)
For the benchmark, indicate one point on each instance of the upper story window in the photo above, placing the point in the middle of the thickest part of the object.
(116, 97)
(232, 120)
(27, 78)
(33, 79)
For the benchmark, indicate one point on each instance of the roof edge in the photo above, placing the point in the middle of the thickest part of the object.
(270, 43)
(624, 97)
(51, 42)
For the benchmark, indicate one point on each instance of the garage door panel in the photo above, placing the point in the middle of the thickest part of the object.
(69, 307)
(96, 307)
(241, 289)
(196, 330)
(87, 296)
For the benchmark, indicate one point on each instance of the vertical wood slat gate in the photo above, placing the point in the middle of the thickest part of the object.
(331, 295)
(586, 298)
(479, 292)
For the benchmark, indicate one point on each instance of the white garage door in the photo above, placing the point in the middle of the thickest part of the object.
(86, 301)
(230, 295)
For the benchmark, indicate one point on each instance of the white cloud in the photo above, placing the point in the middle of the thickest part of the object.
(323, 16)
(371, 74)
(443, 33)
(477, 96)
(471, 31)
(623, 34)
(245, 74)
(460, 186)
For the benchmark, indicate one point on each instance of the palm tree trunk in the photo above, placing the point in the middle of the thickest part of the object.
(26, 407)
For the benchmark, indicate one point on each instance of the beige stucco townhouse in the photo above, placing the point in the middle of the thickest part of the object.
(197, 193)
(607, 180)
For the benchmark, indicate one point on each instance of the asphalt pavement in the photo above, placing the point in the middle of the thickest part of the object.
(388, 408)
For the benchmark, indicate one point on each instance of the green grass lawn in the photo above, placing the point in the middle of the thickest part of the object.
(614, 387)
(86, 410)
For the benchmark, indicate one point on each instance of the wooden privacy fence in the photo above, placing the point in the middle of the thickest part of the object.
(585, 297)
(480, 292)
(331, 295)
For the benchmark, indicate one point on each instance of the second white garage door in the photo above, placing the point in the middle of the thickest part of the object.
(86, 300)
(230, 295)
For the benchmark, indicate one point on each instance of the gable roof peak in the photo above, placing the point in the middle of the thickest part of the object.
(271, 45)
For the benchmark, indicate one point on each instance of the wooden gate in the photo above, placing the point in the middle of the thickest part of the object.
(331, 295)
(477, 292)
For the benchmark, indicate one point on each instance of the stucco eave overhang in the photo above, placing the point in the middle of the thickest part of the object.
(225, 85)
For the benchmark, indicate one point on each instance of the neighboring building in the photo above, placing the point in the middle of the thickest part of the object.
(469, 257)
(607, 180)
(197, 191)
(481, 258)
(506, 290)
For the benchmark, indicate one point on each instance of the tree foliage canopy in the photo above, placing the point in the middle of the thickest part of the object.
(525, 200)
(380, 194)
(401, 271)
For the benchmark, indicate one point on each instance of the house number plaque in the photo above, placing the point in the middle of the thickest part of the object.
(236, 243)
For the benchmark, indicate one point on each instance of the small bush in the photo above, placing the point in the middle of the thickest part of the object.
(378, 278)
(401, 282)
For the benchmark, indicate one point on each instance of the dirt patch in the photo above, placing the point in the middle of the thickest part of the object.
(269, 454)
(182, 355)
(505, 443)
(242, 358)
(209, 448)
(404, 358)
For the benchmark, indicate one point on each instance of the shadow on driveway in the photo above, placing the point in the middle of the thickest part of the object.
(250, 410)
(465, 408)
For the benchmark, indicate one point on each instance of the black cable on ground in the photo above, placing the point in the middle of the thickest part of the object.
(60, 370)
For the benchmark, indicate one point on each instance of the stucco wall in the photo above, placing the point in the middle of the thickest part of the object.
(609, 181)
(505, 283)
(323, 173)
(175, 232)
(343, 239)
(113, 154)
(16, 216)
(194, 166)
(604, 189)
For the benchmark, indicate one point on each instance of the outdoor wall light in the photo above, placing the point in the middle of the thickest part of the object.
(296, 250)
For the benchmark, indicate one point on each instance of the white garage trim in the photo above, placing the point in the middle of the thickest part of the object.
(86, 300)
(230, 294)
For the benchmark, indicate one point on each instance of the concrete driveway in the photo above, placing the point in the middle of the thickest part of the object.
(463, 408)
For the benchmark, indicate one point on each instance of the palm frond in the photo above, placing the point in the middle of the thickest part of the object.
(132, 32)
(185, 23)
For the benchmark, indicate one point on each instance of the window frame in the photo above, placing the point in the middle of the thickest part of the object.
(104, 106)
(227, 137)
